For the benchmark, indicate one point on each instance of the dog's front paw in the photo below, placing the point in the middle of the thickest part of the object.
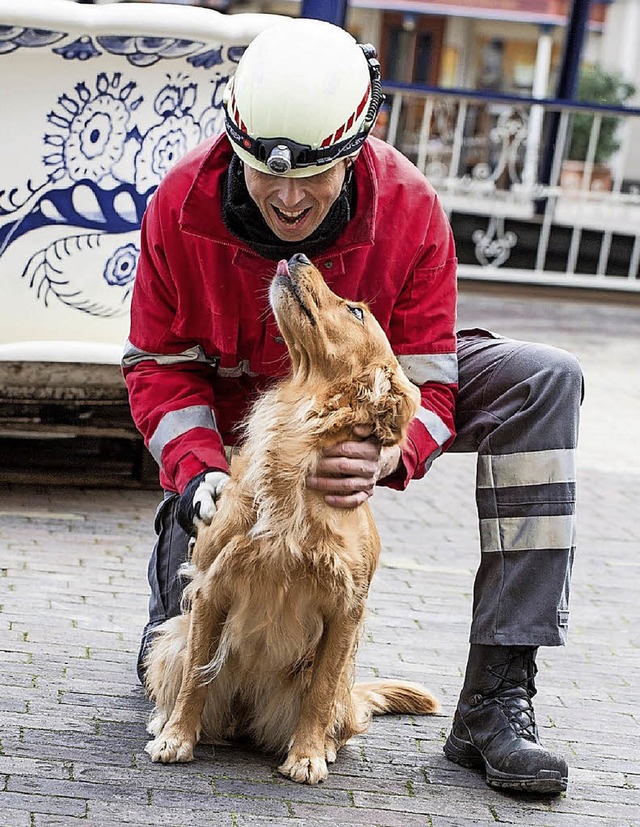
(304, 769)
(169, 748)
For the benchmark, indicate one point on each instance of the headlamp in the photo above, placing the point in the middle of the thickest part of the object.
(279, 160)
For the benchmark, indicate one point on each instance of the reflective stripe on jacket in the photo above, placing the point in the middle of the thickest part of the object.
(203, 340)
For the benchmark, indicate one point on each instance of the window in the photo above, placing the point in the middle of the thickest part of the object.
(411, 48)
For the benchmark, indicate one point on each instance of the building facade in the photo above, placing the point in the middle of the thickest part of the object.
(512, 47)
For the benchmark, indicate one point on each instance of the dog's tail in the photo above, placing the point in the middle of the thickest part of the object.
(400, 697)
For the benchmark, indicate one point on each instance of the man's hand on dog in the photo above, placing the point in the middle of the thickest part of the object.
(348, 472)
(198, 502)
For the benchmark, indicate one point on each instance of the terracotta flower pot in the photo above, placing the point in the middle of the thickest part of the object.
(573, 173)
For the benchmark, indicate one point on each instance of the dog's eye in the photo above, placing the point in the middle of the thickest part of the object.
(358, 312)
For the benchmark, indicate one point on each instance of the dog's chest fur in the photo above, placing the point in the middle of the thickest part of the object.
(282, 591)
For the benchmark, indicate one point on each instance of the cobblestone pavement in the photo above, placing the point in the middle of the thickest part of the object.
(73, 600)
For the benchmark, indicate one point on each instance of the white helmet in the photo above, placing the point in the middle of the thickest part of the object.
(304, 96)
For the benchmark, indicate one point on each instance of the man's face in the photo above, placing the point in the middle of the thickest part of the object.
(294, 207)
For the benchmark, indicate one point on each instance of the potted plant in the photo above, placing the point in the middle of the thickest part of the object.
(595, 86)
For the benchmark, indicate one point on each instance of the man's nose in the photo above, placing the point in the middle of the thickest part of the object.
(290, 192)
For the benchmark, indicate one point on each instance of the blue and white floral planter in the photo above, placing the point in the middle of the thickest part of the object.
(97, 103)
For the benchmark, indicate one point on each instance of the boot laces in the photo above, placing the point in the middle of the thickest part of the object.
(514, 691)
(518, 710)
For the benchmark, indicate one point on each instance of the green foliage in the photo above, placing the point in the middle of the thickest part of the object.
(598, 86)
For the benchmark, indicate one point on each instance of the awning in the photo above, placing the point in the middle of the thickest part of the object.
(539, 12)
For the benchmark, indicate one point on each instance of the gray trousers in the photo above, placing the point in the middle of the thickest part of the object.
(517, 408)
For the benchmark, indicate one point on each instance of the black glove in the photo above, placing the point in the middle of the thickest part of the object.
(197, 503)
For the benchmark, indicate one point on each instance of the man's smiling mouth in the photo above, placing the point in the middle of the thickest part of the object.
(290, 218)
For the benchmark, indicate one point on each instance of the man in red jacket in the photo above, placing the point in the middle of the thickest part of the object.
(296, 172)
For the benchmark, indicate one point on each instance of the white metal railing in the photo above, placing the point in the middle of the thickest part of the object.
(483, 153)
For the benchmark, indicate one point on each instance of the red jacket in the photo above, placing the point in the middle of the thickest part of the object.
(203, 339)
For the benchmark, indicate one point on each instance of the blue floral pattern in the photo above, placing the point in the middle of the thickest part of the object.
(90, 128)
(121, 266)
(17, 37)
(107, 142)
(81, 49)
(145, 51)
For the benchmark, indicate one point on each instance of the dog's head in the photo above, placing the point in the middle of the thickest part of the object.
(341, 354)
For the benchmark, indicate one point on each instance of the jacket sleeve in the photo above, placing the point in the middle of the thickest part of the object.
(422, 334)
(169, 379)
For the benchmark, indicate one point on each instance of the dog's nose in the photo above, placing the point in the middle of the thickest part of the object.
(298, 258)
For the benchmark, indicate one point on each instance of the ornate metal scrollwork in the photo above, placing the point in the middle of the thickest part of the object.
(494, 245)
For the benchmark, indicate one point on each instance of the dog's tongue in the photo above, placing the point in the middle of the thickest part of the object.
(283, 268)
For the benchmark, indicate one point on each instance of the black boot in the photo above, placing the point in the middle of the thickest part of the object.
(494, 725)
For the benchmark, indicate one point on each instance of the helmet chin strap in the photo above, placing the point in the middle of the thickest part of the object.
(348, 175)
(377, 95)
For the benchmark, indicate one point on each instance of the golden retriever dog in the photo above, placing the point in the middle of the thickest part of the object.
(265, 647)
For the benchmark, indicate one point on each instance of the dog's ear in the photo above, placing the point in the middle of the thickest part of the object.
(393, 400)
(381, 397)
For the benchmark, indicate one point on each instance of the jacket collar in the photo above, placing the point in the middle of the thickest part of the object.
(201, 212)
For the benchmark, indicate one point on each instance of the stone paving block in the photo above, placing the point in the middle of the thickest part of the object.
(244, 820)
(557, 819)
(425, 800)
(67, 821)
(556, 813)
(14, 765)
(25, 721)
(285, 791)
(145, 815)
(14, 818)
(57, 746)
(53, 805)
(71, 790)
(226, 803)
(438, 821)
(152, 779)
(321, 814)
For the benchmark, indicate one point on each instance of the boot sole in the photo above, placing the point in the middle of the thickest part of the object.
(546, 782)
(464, 753)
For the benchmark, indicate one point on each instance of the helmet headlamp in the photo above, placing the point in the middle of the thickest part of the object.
(279, 160)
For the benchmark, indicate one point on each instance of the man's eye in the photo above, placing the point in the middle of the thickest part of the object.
(358, 312)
